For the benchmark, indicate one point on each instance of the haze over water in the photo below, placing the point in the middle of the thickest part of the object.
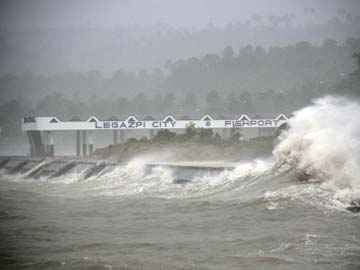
(296, 207)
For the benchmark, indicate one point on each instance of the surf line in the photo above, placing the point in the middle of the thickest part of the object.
(134, 124)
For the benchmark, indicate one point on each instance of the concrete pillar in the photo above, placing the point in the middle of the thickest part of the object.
(91, 142)
(115, 137)
(45, 136)
(122, 136)
(51, 146)
(224, 133)
(36, 140)
(78, 143)
(151, 134)
(32, 144)
(85, 143)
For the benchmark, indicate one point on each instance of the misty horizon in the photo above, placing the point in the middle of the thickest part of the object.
(49, 37)
(179, 134)
(181, 57)
(199, 13)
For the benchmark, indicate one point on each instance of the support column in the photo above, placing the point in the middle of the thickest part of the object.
(91, 142)
(78, 143)
(37, 147)
(122, 136)
(115, 136)
(45, 137)
(224, 133)
(50, 142)
(84, 141)
(32, 144)
(151, 134)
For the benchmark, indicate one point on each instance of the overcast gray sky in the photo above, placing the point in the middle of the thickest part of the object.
(188, 13)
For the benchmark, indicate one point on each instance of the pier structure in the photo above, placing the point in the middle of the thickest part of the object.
(40, 130)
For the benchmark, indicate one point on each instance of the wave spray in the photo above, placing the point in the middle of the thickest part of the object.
(323, 143)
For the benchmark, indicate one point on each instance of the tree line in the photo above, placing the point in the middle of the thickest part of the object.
(188, 89)
(49, 50)
(249, 68)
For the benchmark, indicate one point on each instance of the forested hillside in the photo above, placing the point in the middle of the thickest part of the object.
(222, 84)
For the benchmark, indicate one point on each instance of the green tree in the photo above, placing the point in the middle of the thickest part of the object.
(190, 102)
(164, 135)
(357, 59)
(169, 103)
(213, 101)
(232, 103)
(190, 132)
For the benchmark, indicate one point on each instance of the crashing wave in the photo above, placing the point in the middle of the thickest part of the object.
(323, 144)
(321, 148)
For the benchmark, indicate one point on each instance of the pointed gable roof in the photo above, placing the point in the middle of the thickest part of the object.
(244, 117)
(169, 118)
(92, 119)
(54, 120)
(207, 118)
(131, 119)
(281, 117)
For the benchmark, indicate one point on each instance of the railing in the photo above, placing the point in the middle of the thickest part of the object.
(132, 123)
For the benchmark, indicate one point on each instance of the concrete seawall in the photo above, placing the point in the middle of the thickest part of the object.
(58, 167)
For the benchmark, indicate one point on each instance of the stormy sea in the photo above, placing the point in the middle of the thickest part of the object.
(296, 209)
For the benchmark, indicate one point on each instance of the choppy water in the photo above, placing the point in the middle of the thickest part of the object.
(251, 218)
(288, 212)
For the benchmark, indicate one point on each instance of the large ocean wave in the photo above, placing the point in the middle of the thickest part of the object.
(316, 161)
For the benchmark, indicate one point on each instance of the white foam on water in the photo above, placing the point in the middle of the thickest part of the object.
(137, 178)
(207, 184)
(132, 178)
(22, 177)
(323, 145)
(40, 165)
